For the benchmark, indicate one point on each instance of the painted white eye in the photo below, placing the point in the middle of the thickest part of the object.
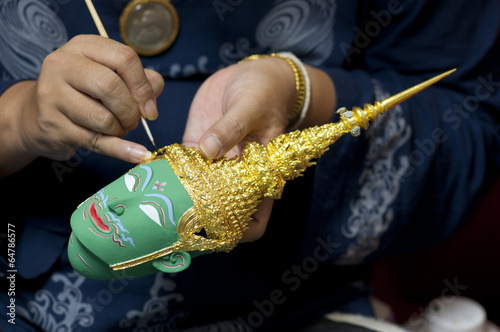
(130, 182)
(151, 212)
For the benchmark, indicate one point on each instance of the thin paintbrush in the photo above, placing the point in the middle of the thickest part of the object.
(102, 32)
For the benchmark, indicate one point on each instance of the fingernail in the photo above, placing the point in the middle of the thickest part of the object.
(139, 154)
(150, 110)
(211, 147)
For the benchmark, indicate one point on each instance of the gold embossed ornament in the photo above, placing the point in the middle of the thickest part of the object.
(226, 192)
(149, 26)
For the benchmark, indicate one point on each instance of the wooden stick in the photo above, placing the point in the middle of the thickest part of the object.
(102, 33)
(97, 20)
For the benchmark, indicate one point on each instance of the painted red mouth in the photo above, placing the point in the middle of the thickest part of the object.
(96, 218)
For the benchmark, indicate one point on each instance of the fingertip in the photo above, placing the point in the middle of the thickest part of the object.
(222, 136)
(138, 153)
(159, 87)
(150, 110)
(211, 147)
(255, 231)
(156, 80)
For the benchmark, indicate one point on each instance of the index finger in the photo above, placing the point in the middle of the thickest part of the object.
(113, 146)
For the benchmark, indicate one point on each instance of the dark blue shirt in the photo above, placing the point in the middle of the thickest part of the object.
(410, 180)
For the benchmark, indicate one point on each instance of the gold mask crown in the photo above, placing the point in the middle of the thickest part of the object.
(226, 192)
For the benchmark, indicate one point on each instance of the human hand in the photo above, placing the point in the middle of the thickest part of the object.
(249, 101)
(90, 93)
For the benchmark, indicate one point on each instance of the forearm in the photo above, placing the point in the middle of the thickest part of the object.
(14, 155)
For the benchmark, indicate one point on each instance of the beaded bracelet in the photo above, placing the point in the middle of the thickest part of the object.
(302, 85)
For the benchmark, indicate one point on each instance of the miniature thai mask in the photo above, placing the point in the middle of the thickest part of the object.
(135, 216)
(167, 210)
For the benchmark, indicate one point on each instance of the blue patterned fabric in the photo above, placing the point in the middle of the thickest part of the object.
(409, 181)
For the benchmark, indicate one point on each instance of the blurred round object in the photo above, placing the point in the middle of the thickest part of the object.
(149, 26)
(455, 314)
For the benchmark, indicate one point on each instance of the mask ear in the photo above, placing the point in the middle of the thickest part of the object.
(174, 262)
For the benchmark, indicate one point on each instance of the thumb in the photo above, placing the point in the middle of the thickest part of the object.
(223, 135)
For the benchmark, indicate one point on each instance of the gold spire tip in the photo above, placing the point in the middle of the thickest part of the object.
(358, 118)
(404, 95)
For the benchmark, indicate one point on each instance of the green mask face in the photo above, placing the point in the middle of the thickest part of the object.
(133, 217)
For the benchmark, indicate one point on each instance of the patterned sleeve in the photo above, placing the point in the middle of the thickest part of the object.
(30, 30)
(416, 175)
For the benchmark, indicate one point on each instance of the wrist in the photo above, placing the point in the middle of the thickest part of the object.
(302, 87)
(323, 98)
(292, 68)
